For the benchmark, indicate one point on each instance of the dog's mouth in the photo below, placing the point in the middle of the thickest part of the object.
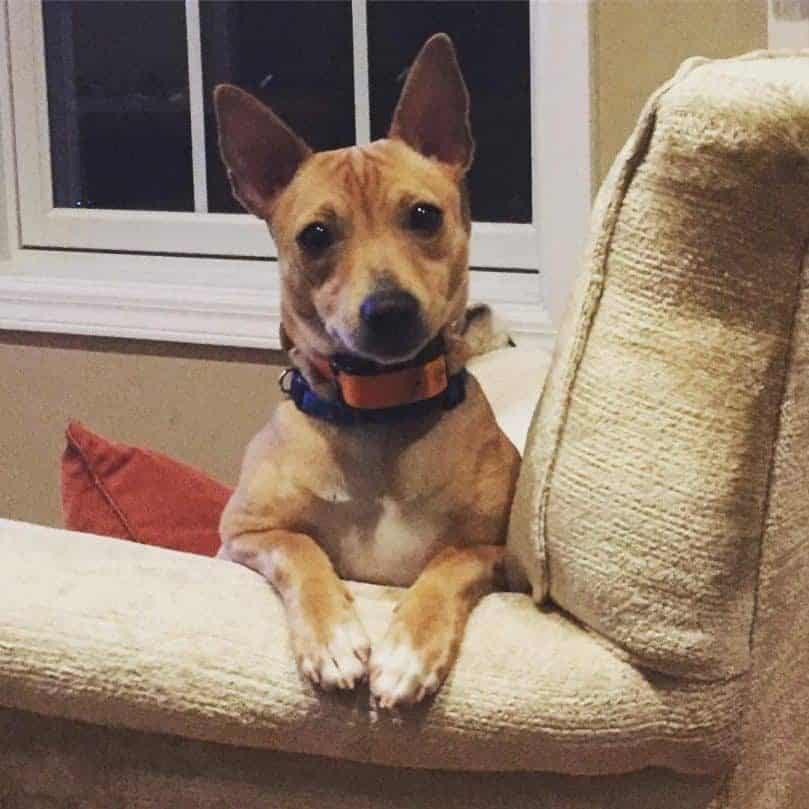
(393, 349)
(364, 364)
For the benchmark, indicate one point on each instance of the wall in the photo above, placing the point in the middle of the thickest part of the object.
(203, 404)
(638, 44)
(199, 404)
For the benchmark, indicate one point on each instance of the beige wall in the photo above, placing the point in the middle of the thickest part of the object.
(203, 404)
(199, 404)
(638, 44)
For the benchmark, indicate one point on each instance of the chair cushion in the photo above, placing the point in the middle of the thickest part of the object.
(644, 486)
(118, 633)
(511, 378)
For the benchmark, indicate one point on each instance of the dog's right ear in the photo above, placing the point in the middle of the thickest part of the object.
(260, 152)
(432, 115)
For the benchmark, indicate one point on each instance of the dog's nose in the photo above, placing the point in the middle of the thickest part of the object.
(390, 313)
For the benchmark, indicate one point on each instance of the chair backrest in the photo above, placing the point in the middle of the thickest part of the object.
(645, 483)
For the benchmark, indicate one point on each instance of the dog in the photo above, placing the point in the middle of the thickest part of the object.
(387, 465)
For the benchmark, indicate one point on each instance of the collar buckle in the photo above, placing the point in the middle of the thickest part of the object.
(285, 380)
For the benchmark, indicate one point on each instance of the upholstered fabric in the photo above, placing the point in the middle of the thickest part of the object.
(511, 379)
(118, 633)
(47, 762)
(644, 492)
(58, 763)
(774, 766)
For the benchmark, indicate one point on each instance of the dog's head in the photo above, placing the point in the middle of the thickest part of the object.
(372, 240)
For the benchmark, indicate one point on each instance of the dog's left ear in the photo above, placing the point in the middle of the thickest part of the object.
(432, 115)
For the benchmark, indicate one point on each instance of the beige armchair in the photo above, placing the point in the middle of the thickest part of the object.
(661, 528)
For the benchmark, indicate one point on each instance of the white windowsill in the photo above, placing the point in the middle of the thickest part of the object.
(211, 301)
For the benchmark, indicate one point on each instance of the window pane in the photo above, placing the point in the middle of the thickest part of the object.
(492, 40)
(118, 104)
(295, 56)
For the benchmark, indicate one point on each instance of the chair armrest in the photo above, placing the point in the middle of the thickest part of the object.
(116, 633)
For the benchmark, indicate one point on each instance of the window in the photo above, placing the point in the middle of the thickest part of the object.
(114, 145)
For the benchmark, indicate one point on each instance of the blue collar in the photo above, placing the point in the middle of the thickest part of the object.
(337, 412)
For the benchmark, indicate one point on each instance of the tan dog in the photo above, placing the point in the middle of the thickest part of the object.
(373, 249)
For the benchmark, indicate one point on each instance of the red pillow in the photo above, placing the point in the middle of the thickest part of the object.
(121, 491)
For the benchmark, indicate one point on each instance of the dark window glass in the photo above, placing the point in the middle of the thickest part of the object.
(492, 40)
(295, 56)
(118, 104)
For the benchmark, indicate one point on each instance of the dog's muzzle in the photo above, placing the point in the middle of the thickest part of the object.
(391, 324)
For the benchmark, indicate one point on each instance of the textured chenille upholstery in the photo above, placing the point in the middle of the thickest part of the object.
(649, 470)
(657, 656)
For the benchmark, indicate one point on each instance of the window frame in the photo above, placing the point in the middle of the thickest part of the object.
(58, 277)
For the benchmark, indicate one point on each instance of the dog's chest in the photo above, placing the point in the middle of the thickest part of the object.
(381, 519)
(384, 500)
(388, 541)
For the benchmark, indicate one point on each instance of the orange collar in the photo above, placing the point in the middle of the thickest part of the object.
(366, 385)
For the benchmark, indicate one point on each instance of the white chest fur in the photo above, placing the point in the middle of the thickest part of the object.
(390, 543)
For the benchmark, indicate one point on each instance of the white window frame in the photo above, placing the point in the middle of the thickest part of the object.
(192, 297)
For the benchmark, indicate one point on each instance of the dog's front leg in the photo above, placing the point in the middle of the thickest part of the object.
(330, 644)
(422, 641)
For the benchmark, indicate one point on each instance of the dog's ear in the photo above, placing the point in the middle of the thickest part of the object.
(432, 115)
(260, 152)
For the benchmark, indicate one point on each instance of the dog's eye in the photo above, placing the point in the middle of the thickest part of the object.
(315, 238)
(425, 218)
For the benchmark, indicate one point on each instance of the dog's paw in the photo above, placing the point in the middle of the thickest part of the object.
(401, 673)
(335, 656)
